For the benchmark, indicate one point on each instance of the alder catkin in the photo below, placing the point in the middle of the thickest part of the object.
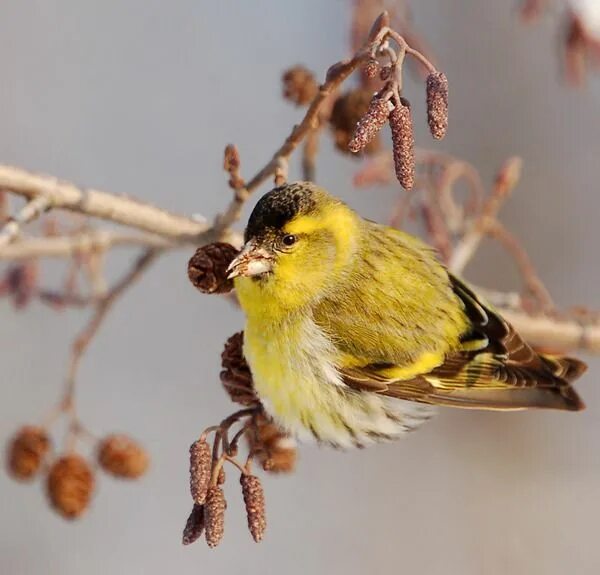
(437, 104)
(194, 526)
(403, 144)
(370, 124)
(214, 515)
(254, 500)
(200, 470)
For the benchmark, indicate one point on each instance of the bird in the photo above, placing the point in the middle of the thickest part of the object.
(355, 331)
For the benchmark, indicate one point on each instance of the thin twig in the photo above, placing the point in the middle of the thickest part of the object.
(530, 278)
(83, 340)
(32, 210)
(505, 182)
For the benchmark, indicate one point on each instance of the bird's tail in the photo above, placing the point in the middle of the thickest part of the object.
(568, 369)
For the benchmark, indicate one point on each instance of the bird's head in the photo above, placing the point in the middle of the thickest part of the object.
(298, 237)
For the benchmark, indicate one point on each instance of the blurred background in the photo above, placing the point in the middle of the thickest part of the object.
(140, 97)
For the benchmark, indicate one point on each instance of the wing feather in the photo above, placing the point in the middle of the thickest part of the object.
(493, 368)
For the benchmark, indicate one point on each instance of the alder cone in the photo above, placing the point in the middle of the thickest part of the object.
(70, 485)
(236, 376)
(299, 85)
(122, 457)
(207, 268)
(273, 448)
(26, 452)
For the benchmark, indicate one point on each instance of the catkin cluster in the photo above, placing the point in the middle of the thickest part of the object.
(206, 487)
(387, 106)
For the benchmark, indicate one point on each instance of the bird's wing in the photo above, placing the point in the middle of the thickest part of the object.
(492, 369)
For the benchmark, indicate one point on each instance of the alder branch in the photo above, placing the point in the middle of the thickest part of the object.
(82, 243)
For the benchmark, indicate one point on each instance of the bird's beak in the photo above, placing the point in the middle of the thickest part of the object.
(251, 261)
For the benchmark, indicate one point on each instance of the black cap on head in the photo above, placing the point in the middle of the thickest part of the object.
(279, 206)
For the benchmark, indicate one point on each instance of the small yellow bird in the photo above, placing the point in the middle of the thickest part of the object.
(355, 330)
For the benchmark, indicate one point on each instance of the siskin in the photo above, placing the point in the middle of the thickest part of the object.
(355, 330)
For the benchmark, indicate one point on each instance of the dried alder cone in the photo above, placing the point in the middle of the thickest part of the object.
(122, 457)
(207, 268)
(70, 485)
(271, 446)
(299, 85)
(254, 500)
(27, 451)
(236, 376)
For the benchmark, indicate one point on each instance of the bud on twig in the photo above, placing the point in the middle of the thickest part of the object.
(382, 21)
(254, 499)
(508, 176)
(370, 124)
(194, 526)
(207, 269)
(403, 144)
(371, 68)
(70, 485)
(214, 515)
(200, 470)
(26, 452)
(122, 457)
(437, 104)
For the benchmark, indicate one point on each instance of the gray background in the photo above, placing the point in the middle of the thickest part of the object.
(140, 97)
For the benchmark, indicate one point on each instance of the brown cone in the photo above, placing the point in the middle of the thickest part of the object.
(207, 269)
(271, 446)
(299, 85)
(437, 104)
(254, 499)
(194, 526)
(403, 144)
(214, 515)
(122, 457)
(200, 470)
(26, 452)
(236, 376)
(70, 485)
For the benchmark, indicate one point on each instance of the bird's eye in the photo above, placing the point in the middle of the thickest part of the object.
(289, 240)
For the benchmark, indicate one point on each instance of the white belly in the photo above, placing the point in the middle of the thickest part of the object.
(301, 389)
